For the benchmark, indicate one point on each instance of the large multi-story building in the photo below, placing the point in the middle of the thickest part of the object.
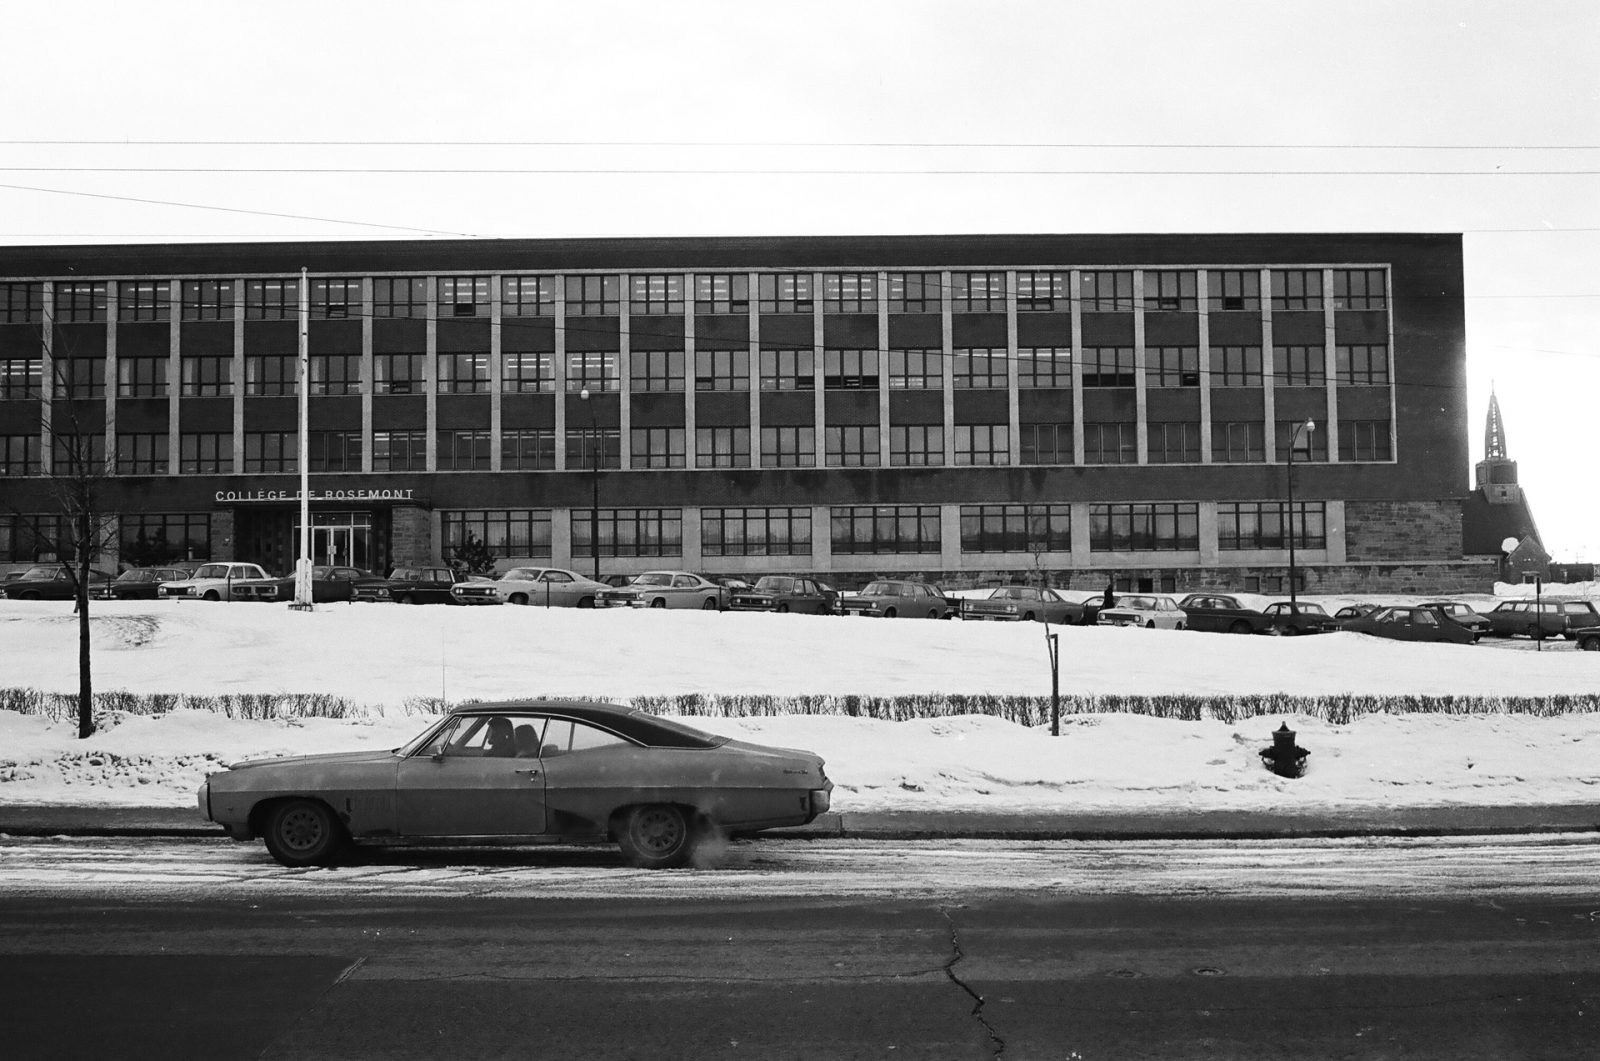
(1146, 407)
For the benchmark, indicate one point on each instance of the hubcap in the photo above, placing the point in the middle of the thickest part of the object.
(301, 830)
(658, 831)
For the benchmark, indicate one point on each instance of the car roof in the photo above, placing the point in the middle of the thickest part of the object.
(637, 725)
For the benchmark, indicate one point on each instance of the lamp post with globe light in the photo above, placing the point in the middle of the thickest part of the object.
(1288, 480)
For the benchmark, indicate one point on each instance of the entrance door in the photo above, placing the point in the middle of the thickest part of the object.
(333, 546)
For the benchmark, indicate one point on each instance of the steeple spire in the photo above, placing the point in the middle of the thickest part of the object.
(1494, 432)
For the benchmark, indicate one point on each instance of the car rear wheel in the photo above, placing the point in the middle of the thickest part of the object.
(586, 602)
(889, 613)
(1239, 626)
(659, 602)
(1536, 632)
(303, 832)
(783, 607)
(656, 836)
(1150, 624)
(519, 598)
(710, 605)
(1589, 643)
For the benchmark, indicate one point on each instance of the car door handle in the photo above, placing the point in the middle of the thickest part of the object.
(532, 773)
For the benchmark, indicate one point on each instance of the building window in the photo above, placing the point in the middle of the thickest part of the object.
(19, 455)
(1233, 290)
(149, 539)
(1150, 527)
(271, 451)
(23, 377)
(268, 374)
(272, 300)
(1106, 291)
(1044, 367)
(722, 447)
(1362, 366)
(1170, 291)
(335, 373)
(464, 296)
(1236, 366)
(1297, 289)
(916, 293)
(76, 377)
(398, 373)
(334, 451)
(524, 373)
(144, 300)
(978, 292)
(464, 373)
(1016, 529)
(980, 368)
(859, 530)
(849, 369)
(514, 532)
(1044, 292)
(852, 446)
(722, 293)
(916, 370)
(464, 451)
(1108, 366)
(527, 451)
(1259, 525)
(1045, 443)
(1299, 366)
(207, 375)
(629, 532)
(335, 298)
(1172, 366)
(657, 447)
(784, 292)
(1174, 442)
(529, 296)
(591, 449)
(983, 444)
(656, 370)
(656, 294)
(76, 453)
(141, 377)
(910, 445)
(1110, 443)
(1359, 289)
(399, 451)
(789, 447)
(722, 370)
(1365, 440)
(1238, 442)
(207, 300)
(21, 303)
(755, 531)
(205, 453)
(594, 296)
(1309, 445)
(400, 296)
(849, 292)
(788, 370)
(595, 370)
(80, 302)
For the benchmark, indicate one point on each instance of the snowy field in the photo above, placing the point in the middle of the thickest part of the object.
(387, 655)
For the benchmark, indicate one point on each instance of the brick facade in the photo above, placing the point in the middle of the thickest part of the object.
(1378, 531)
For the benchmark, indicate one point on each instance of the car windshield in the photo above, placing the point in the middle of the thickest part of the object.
(43, 572)
(653, 578)
(774, 584)
(322, 572)
(881, 589)
(1312, 609)
(524, 574)
(1138, 602)
(141, 575)
(212, 571)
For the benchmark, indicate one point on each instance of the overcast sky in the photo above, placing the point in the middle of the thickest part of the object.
(175, 121)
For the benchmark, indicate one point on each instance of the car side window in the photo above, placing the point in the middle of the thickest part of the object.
(564, 736)
(1423, 617)
(683, 582)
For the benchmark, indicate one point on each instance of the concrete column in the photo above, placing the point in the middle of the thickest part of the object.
(430, 374)
(1203, 305)
(1013, 388)
(174, 376)
(1077, 381)
(369, 376)
(1269, 444)
(1141, 396)
(496, 375)
(947, 383)
(1329, 364)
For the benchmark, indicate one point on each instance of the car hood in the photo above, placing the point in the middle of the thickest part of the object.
(319, 759)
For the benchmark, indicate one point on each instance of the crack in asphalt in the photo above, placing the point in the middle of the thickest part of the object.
(996, 1043)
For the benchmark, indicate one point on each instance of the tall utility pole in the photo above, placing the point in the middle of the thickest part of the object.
(1288, 481)
(302, 567)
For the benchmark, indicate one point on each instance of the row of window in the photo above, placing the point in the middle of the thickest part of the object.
(671, 294)
(780, 446)
(970, 368)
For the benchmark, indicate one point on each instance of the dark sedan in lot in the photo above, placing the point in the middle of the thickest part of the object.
(535, 771)
(1412, 623)
(1223, 613)
(52, 582)
(786, 593)
(1457, 612)
(1299, 618)
(1024, 604)
(139, 583)
(896, 598)
(1540, 619)
(328, 584)
(423, 585)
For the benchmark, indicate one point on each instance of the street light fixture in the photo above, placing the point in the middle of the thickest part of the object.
(1288, 482)
(594, 483)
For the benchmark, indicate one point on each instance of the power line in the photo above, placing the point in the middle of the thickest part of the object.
(775, 171)
(920, 145)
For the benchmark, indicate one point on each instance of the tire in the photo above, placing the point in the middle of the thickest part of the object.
(405, 598)
(889, 613)
(586, 602)
(1536, 632)
(1179, 626)
(212, 595)
(934, 614)
(782, 608)
(1150, 624)
(29, 596)
(519, 598)
(1589, 643)
(303, 832)
(656, 836)
(1028, 617)
(659, 602)
(1239, 626)
(710, 605)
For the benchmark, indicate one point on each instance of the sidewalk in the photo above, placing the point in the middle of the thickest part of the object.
(1177, 824)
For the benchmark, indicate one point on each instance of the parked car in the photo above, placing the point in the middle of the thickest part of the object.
(328, 584)
(549, 587)
(213, 582)
(617, 581)
(1541, 619)
(1144, 609)
(538, 771)
(1300, 618)
(1223, 613)
(786, 593)
(1023, 604)
(1463, 614)
(900, 598)
(424, 585)
(667, 589)
(139, 583)
(1354, 611)
(52, 582)
(1588, 639)
(1412, 623)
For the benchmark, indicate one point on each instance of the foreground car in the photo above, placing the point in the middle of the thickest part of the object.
(667, 589)
(1144, 609)
(894, 598)
(211, 582)
(1300, 618)
(52, 582)
(785, 593)
(1421, 623)
(1540, 619)
(423, 585)
(549, 587)
(538, 771)
(1024, 604)
(1223, 613)
(139, 583)
(1462, 614)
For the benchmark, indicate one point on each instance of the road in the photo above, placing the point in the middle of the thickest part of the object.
(204, 949)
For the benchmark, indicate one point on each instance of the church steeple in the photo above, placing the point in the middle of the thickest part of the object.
(1497, 472)
(1494, 432)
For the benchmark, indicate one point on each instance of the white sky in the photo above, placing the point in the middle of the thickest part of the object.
(1480, 118)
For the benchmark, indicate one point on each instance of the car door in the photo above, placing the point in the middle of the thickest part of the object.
(1208, 613)
(808, 597)
(457, 784)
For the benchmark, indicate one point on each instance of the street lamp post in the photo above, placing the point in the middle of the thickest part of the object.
(1288, 481)
(594, 483)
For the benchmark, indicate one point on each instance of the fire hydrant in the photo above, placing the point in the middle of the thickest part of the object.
(1285, 758)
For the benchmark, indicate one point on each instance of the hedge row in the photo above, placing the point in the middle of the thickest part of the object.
(1026, 710)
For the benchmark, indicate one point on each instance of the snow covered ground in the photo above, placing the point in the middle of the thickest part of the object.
(385, 656)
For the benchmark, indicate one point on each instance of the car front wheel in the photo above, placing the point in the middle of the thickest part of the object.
(303, 832)
(656, 836)
(1589, 643)
(1239, 627)
(710, 605)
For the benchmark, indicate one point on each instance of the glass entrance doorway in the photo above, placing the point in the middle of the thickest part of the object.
(341, 539)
